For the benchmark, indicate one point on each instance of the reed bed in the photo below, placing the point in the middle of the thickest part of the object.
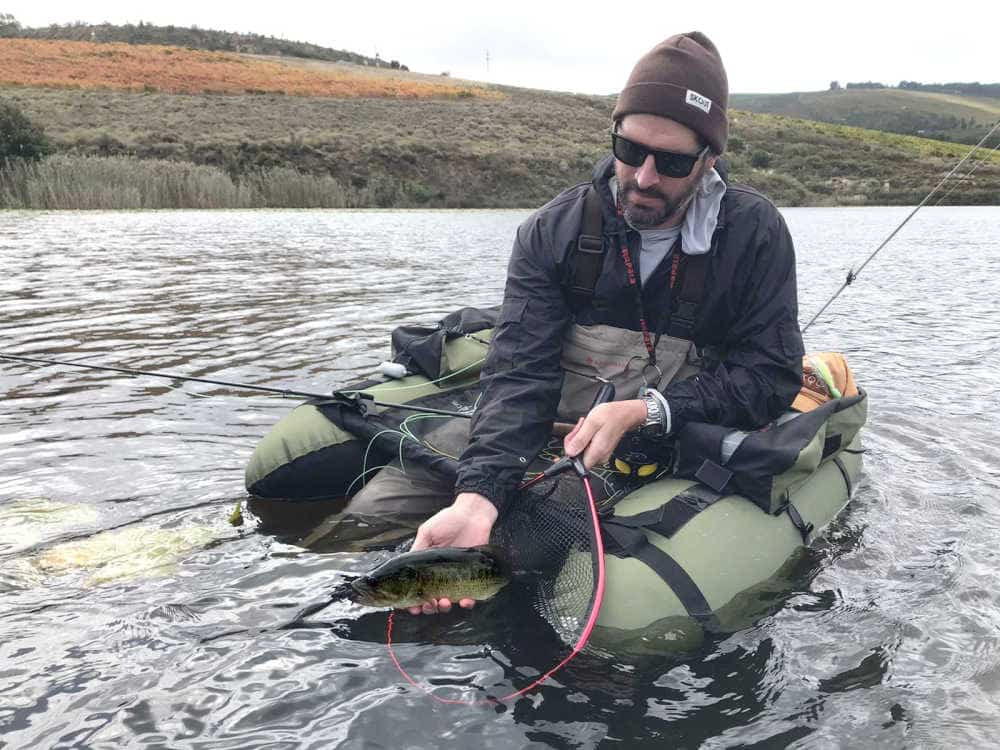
(65, 181)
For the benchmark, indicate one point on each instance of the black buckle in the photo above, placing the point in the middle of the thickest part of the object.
(359, 402)
(590, 244)
(805, 529)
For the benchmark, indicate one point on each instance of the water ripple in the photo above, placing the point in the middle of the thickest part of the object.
(888, 635)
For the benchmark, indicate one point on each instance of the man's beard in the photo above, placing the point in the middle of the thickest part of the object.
(651, 217)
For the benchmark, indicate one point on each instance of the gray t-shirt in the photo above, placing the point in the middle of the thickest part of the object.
(656, 244)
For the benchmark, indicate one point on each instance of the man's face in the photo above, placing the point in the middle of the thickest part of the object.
(650, 200)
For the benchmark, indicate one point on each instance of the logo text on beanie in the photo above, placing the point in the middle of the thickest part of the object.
(697, 100)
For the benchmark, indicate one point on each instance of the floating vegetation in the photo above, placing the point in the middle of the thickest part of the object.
(26, 522)
(125, 554)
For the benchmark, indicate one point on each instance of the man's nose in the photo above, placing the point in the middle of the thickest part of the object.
(646, 175)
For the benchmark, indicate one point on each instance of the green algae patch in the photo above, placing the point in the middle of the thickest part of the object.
(127, 554)
(27, 522)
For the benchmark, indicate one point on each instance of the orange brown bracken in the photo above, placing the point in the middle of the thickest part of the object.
(176, 70)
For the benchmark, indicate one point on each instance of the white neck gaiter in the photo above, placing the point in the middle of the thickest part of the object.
(702, 213)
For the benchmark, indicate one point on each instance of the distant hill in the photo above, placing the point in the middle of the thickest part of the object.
(931, 111)
(306, 132)
(191, 37)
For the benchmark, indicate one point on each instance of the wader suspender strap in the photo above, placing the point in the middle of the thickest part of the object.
(588, 260)
(626, 533)
(691, 270)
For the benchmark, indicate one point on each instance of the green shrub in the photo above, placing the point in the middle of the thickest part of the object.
(760, 159)
(20, 138)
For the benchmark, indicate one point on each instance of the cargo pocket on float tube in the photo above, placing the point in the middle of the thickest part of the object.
(768, 464)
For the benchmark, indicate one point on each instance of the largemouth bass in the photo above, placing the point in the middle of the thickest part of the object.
(413, 578)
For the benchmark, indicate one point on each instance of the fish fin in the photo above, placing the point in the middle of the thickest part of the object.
(343, 590)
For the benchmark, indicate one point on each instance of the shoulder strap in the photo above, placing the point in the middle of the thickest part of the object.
(688, 294)
(587, 257)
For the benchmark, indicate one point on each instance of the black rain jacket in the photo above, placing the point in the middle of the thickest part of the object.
(747, 326)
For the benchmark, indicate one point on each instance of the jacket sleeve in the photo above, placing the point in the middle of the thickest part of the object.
(761, 367)
(521, 378)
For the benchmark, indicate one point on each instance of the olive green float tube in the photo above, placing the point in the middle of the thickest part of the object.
(305, 456)
(727, 549)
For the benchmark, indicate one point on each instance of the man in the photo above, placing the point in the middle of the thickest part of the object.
(663, 206)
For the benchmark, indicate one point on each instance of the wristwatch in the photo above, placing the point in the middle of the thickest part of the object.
(656, 417)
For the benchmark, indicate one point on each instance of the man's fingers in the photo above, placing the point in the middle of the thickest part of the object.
(422, 541)
(574, 431)
(414, 610)
(429, 608)
(581, 440)
(593, 456)
(467, 603)
(600, 448)
(444, 605)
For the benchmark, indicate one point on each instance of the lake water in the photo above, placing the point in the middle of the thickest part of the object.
(890, 638)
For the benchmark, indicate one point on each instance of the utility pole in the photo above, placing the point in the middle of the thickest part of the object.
(487, 62)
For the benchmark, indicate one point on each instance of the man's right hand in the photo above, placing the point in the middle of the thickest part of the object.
(467, 522)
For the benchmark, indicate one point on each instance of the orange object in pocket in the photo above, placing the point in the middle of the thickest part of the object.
(825, 376)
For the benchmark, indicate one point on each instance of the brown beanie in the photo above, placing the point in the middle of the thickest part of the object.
(681, 78)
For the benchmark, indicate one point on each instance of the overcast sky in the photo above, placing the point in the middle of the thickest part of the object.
(766, 46)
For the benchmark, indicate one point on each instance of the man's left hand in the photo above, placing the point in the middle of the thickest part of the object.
(597, 435)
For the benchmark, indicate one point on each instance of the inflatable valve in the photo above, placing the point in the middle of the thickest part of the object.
(393, 370)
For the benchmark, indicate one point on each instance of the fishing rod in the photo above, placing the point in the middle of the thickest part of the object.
(852, 274)
(284, 392)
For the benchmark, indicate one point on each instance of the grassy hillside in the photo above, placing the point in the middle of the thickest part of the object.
(148, 68)
(945, 116)
(471, 145)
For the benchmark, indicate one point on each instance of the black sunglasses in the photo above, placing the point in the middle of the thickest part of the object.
(668, 163)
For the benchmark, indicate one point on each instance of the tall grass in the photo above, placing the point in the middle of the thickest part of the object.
(65, 181)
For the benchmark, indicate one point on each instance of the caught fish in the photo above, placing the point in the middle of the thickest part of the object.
(413, 578)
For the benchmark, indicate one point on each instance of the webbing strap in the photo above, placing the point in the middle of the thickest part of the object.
(668, 519)
(799, 522)
(588, 259)
(845, 474)
(633, 543)
(692, 270)
(831, 445)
